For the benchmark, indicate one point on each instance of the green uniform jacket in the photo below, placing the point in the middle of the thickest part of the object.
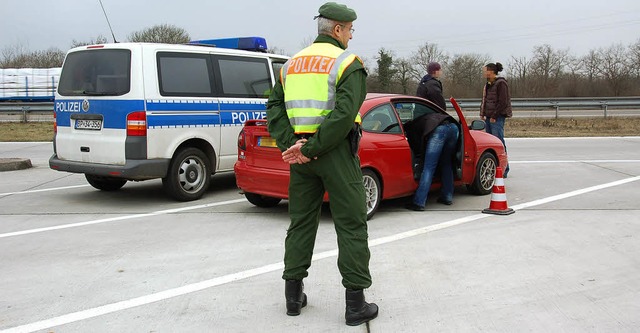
(350, 93)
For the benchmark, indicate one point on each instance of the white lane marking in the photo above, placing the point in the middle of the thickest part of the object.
(573, 193)
(190, 288)
(43, 190)
(574, 161)
(119, 218)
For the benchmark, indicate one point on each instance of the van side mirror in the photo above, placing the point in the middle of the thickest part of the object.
(477, 125)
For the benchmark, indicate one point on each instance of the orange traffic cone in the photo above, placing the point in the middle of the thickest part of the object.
(498, 203)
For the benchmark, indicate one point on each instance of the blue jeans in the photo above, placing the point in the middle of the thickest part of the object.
(441, 146)
(497, 130)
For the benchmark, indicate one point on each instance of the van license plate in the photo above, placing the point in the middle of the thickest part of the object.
(88, 124)
(266, 142)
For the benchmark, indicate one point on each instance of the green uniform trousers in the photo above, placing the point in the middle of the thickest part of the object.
(338, 172)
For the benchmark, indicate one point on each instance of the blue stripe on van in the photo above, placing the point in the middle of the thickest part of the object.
(203, 105)
(114, 112)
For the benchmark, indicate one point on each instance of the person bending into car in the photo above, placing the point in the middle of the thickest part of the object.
(435, 134)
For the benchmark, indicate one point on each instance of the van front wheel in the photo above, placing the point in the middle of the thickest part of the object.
(105, 183)
(188, 176)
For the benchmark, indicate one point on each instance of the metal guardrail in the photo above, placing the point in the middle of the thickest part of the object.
(587, 103)
(518, 104)
(25, 108)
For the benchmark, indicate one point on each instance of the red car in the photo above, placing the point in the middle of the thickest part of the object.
(385, 155)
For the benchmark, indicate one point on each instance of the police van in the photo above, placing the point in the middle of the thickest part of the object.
(138, 111)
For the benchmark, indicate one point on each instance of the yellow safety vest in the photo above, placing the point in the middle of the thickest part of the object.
(309, 81)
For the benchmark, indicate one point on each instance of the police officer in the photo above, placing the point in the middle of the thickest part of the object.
(313, 113)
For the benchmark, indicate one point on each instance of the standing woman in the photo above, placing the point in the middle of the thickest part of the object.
(496, 103)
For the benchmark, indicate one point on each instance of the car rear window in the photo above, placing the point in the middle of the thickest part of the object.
(97, 72)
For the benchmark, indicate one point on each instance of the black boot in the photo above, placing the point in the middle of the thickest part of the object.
(296, 299)
(358, 311)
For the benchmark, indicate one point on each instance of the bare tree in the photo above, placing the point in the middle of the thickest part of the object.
(93, 41)
(462, 76)
(403, 74)
(519, 76)
(52, 57)
(424, 55)
(161, 33)
(591, 63)
(547, 65)
(19, 57)
(519, 68)
(614, 67)
(572, 78)
(634, 58)
(12, 55)
(277, 50)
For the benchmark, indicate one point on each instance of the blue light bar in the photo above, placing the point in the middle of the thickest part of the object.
(241, 43)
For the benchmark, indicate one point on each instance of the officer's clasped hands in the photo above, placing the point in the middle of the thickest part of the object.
(293, 155)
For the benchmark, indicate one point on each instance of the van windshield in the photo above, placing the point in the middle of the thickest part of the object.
(98, 72)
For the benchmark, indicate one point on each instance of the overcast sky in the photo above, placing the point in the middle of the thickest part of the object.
(498, 28)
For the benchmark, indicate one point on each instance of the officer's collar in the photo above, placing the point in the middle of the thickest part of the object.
(328, 39)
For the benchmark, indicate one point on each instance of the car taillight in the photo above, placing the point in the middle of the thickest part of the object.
(55, 122)
(242, 140)
(137, 124)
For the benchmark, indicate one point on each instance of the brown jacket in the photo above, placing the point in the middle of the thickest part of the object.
(496, 99)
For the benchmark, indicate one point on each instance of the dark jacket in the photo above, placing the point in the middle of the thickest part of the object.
(430, 89)
(496, 100)
(419, 129)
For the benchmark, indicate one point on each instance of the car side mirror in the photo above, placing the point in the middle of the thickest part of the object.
(477, 125)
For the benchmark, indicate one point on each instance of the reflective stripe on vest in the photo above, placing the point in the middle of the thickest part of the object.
(309, 80)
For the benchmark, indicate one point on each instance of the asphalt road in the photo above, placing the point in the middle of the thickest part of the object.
(74, 259)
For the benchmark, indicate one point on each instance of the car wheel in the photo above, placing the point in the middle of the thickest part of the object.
(188, 176)
(485, 175)
(105, 183)
(261, 200)
(372, 190)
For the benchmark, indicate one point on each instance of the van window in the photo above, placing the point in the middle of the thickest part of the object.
(276, 66)
(244, 77)
(185, 74)
(99, 72)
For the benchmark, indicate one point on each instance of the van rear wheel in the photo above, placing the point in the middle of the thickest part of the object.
(105, 183)
(188, 176)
